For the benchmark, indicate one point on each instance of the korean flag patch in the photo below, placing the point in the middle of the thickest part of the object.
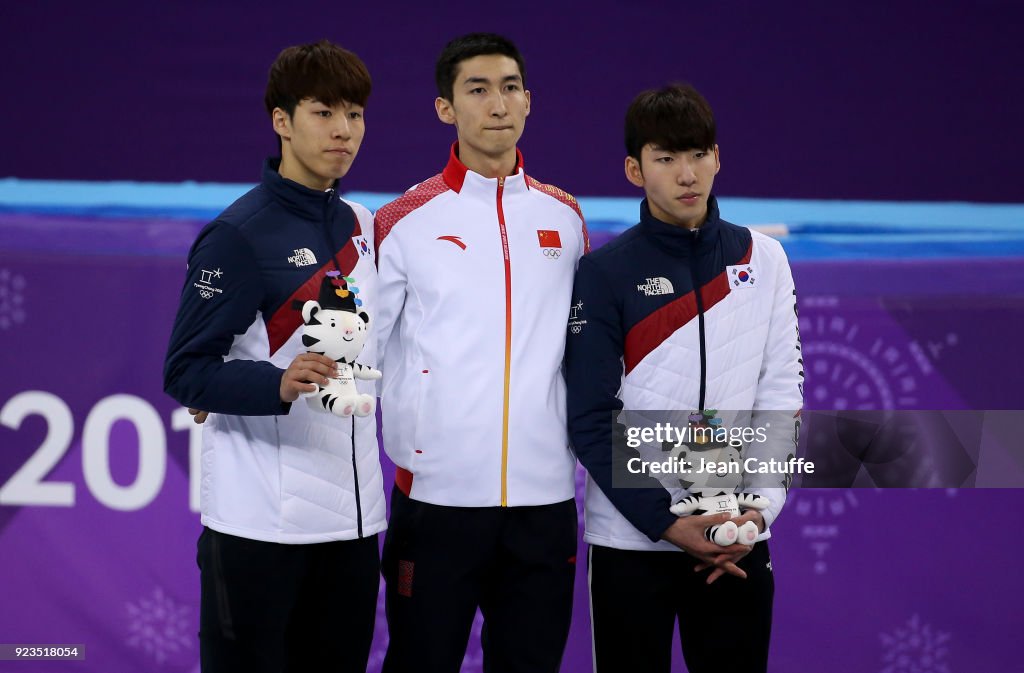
(740, 276)
(362, 247)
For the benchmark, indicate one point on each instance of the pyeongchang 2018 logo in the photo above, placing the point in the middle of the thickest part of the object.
(576, 320)
(206, 280)
(656, 286)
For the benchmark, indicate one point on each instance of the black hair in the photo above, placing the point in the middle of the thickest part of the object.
(322, 71)
(466, 47)
(675, 118)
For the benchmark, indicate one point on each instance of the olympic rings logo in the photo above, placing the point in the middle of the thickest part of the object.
(552, 253)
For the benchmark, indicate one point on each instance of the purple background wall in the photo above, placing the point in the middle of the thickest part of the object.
(869, 100)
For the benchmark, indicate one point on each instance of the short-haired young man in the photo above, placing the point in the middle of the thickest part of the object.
(476, 267)
(292, 500)
(659, 324)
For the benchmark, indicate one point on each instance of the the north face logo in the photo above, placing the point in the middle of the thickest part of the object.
(302, 257)
(656, 286)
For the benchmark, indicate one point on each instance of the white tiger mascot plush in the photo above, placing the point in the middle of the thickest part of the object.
(334, 327)
(715, 492)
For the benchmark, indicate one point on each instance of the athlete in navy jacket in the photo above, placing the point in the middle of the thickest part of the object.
(291, 499)
(684, 311)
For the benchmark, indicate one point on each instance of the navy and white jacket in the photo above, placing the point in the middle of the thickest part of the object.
(641, 338)
(273, 471)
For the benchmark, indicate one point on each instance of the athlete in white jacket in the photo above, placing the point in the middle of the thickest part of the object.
(475, 275)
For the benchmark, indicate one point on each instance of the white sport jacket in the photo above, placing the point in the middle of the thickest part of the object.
(475, 277)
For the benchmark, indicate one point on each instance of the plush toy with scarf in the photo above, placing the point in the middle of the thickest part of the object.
(336, 327)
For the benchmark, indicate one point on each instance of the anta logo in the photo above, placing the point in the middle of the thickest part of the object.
(656, 286)
(457, 240)
(302, 257)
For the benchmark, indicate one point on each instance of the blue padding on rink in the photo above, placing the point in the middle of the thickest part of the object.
(817, 229)
(187, 200)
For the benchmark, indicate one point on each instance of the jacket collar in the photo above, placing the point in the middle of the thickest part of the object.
(299, 199)
(457, 176)
(681, 240)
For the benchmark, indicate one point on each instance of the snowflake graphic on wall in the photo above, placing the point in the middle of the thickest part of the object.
(822, 510)
(159, 626)
(12, 299)
(915, 648)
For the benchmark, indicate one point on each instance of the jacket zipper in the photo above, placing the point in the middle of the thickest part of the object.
(333, 250)
(700, 318)
(508, 345)
(355, 474)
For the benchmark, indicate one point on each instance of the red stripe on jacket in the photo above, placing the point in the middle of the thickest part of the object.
(653, 330)
(286, 320)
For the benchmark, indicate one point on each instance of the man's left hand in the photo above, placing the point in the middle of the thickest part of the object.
(731, 558)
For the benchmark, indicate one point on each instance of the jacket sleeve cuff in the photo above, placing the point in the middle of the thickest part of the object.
(659, 524)
(270, 390)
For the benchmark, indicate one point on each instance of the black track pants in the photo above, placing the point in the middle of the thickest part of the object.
(269, 607)
(636, 597)
(517, 564)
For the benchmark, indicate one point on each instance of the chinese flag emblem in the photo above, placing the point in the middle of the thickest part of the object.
(549, 238)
